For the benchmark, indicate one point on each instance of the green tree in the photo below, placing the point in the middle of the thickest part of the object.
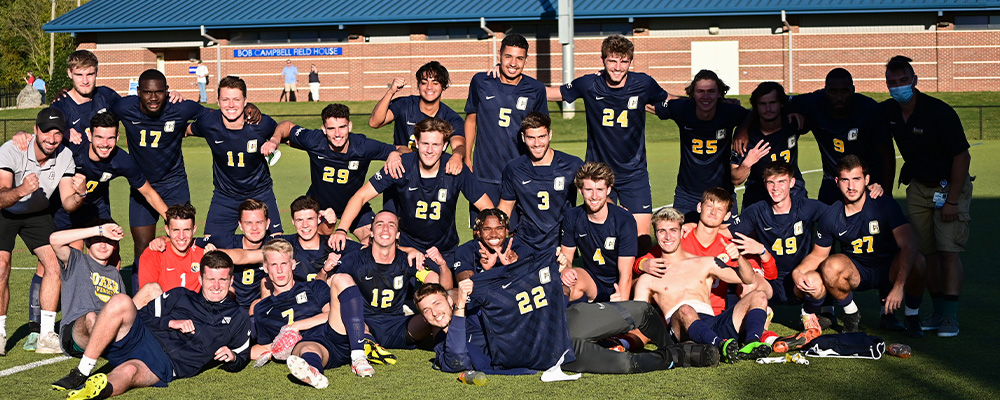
(24, 45)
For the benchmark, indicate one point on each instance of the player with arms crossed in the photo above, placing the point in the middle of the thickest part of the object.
(879, 252)
(605, 235)
(535, 185)
(338, 163)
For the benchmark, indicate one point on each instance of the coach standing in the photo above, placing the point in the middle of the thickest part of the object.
(290, 73)
(936, 160)
(27, 181)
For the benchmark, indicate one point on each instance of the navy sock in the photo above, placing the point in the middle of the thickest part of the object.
(352, 312)
(701, 332)
(847, 300)
(34, 300)
(913, 301)
(754, 325)
(314, 360)
(812, 305)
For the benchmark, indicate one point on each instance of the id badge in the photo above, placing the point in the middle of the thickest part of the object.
(939, 199)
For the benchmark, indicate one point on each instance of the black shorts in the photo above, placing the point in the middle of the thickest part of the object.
(34, 229)
(69, 345)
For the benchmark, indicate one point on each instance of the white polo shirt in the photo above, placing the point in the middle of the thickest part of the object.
(21, 163)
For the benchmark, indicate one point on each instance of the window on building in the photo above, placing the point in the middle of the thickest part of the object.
(602, 29)
(541, 30)
(455, 32)
(971, 22)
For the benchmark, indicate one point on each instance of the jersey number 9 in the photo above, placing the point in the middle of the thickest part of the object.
(329, 172)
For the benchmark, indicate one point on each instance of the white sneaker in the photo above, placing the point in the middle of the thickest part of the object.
(362, 368)
(3, 345)
(49, 344)
(304, 372)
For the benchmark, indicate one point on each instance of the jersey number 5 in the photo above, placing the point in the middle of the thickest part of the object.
(524, 301)
(699, 146)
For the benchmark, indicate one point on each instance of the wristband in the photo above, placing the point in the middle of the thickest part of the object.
(422, 274)
(954, 204)
(342, 230)
(100, 231)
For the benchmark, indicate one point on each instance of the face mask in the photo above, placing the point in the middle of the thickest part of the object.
(902, 94)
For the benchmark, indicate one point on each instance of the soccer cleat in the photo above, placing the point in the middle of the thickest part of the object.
(377, 354)
(753, 351)
(825, 320)
(948, 328)
(96, 387)
(852, 321)
(49, 344)
(728, 351)
(891, 324)
(31, 343)
(700, 355)
(362, 368)
(912, 325)
(933, 322)
(796, 341)
(263, 359)
(810, 321)
(284, 342)
(306, 373)
(74, 380)
(3, 345)
(768, 337)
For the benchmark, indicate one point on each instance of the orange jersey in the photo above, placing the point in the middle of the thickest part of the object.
(717, 249)
(170, 270)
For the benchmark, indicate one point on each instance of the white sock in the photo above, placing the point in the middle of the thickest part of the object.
(86, 365)
(48, 322)
(851, 308)
(911, 311)
(3, 325)
(357, 355)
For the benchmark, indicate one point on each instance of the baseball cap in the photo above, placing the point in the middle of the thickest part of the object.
(50, 118)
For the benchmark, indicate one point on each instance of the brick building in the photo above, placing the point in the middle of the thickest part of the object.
(359, 46)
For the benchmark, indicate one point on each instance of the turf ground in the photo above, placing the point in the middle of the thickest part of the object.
(940, 368)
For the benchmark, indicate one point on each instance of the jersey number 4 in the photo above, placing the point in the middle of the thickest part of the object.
(789, 247)
(524, 301)
(609, 118)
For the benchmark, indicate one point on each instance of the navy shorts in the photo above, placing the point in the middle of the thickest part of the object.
(604, 292)
(337, 345)
(83, 216)
(722, 324)
(784, 292)
(173, 192)
(829, 193)
(390, 330)
(872, 278)
(633, 194)
(223, 213)
(140, 344)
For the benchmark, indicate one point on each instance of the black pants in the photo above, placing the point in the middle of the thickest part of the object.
(591, 322)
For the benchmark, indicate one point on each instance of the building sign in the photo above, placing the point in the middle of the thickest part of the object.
(289, 52)
(193, 69)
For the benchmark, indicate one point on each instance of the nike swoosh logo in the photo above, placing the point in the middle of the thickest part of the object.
(219, 141)
(320, 158)
(582, 235)
(411, 189)
(526, 182)
(53, 117)
(275, 225)
(171, 269)
(841, 233)
(767, 228)
(165, 295)
(688, 128)
(368, 278)
(599, 98)
(508, 284)
(646, 206)
(77, 120)
(490, 97)
(135, 122)
(410, 123)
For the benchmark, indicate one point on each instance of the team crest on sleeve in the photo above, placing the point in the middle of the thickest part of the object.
(792, 140)
(720, 134)
(168, 126)
(353, 165)
(378, 175)
(298, 131)
(522, 103)
(724, 257)
(105, 177)
(397, 282)
(252, 146)
(852, 134)
(195, 267)
(873, 227)
(569, 85)
(633, 102)
(442, 194)
(918, 131)
(797, 228)
(559, 183)
(301, 298)
(609, 243)
(544, 276)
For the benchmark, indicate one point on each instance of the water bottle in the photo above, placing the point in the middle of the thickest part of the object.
(472, 378)
(900, 350)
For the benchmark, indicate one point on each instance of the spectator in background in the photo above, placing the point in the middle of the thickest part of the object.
(30, 79)
(291, 74)
(313, 83)
(202, 74)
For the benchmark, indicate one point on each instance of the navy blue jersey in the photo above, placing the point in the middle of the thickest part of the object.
(384, 287)
(308, 262)
(215, 325)
(866, 237)
(467, 255)
(100, 173)
(600, 245)
(78, 116)
(542, 195)
(303, 300)
(406, 112)
(499, 110)
(337, 176)
(836, 137)
(784, 146)
(523, 313)
(426, 206)
(246, 277)
(788, 237)
(705, 145)
(239, 169)
(616, 119)
(155, 143)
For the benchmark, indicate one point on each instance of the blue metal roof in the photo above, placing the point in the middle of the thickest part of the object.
(156, 15)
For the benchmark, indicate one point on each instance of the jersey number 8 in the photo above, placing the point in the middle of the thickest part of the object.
(524, 301)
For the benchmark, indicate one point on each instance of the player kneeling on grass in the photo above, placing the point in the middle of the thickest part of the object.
(306, 331)
(144, 345)
(683, 288)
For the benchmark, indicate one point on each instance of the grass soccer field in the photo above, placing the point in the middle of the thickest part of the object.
(940, 368)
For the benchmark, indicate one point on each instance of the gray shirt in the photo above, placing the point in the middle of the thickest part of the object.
(21, 163)
(86, 286)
